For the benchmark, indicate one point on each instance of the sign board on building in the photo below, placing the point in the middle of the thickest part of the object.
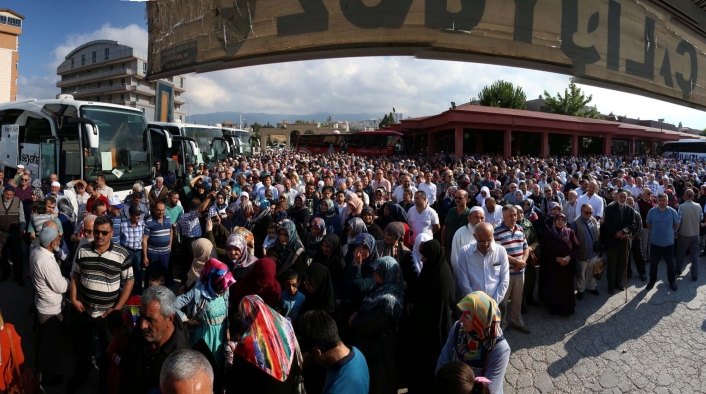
(625, 44)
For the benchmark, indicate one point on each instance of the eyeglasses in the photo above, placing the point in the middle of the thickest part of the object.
(101, 232)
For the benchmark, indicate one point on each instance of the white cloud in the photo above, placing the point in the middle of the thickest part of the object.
(37, 87)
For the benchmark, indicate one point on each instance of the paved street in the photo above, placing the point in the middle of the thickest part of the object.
(656, 342)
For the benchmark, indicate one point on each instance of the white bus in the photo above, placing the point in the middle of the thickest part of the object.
(240, 140)
(77, 140)
(212, 146)
(685, 149)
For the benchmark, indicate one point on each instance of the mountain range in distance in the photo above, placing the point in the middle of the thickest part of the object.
(263, 119)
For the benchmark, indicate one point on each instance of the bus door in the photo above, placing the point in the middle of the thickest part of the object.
(9, 148)
(161, 145)
(219, 149)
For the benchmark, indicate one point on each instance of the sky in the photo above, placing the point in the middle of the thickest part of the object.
(414, 87)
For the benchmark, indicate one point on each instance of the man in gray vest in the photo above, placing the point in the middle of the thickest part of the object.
(691, 217)
(12, 228)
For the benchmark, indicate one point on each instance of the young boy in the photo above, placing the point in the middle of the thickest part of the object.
(292, 298)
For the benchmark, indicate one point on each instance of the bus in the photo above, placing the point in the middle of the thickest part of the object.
(368, 143)
(212, 146)
(240, 141)
(693, 149)
(77, 140)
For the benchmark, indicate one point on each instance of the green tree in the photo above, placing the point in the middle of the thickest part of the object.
(574, 102)
(387, 120)
(503, 94)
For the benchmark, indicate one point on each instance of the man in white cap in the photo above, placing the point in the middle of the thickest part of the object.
(20, 172)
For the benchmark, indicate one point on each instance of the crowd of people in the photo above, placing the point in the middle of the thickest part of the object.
(335, 273)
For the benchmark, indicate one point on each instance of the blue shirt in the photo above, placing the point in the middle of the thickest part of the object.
(291, 304)
(131, 234)
(158, 235)
(189, 226)
(349, 375)
(662, 226)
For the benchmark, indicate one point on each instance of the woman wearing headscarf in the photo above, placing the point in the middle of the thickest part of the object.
(368, 216)
(332, 258)
(289, 249)
(262, 281)
(237, 256)
(430, 304)
(394, 213)
(360, 271)
(353, 228)
(556, 276)
(413, 272)
(353, 209)
(317, 286)
(375, 325)
(480, 198)
(316, 234)
(329, 214)
(202, 251)
(207, 308)
(477, 340)
(267, 358)
(300, 215)
(259, 225)
(392, 245)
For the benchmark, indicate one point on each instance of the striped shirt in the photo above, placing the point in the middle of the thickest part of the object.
(513, 240)
(100, 276)
(131, 234)
(158, 235)
(189, 226)
(117, 222)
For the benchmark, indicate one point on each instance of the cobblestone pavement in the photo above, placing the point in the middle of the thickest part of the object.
(656, 342)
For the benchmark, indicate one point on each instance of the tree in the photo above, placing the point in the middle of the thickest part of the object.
(573, 103)
(503, 94)
(386, 121)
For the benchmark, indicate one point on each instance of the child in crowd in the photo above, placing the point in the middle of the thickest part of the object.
(292, 298)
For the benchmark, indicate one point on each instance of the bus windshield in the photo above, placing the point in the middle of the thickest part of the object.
(203, 137)
(123, 155)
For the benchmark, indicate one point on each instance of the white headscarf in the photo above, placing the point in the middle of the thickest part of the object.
(416, 255)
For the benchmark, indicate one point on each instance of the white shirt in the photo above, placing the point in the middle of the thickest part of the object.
(495, 217)
(47, 280)
(462, 237)
(422, 222)
(430, 190)
(489, 273)
(397, 194)
(595, 201)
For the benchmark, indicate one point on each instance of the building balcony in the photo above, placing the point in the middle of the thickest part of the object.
(98, 76)
(103, 90)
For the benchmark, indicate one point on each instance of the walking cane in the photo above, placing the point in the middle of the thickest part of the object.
(625, 269)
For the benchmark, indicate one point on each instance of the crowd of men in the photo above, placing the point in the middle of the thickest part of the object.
(495, 219)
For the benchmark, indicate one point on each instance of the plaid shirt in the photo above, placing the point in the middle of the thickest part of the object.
(188, 225)
(131, 235)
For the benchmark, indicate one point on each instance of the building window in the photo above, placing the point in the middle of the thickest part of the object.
(72, 62)
(98, 98)
(112, 67)
(99, 84)
(110, 83)
(122, 81)
(106, 54)
(110, 98)
(122, 97)
(83, 60)
(93, 57)
(122, 66)
(181, 83)
(144, 67)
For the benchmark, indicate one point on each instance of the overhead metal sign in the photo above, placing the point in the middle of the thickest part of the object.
(628, 44)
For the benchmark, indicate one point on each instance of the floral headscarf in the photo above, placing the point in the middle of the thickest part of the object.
(249, 238)
(215, 279)
(369, 241)
(268, 341)
(238, 241)
(483, 312)
(293, 243)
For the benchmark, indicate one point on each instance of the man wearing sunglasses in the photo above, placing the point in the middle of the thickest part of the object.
(100, 268)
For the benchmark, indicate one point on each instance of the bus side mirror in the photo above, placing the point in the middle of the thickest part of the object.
(92, 135)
